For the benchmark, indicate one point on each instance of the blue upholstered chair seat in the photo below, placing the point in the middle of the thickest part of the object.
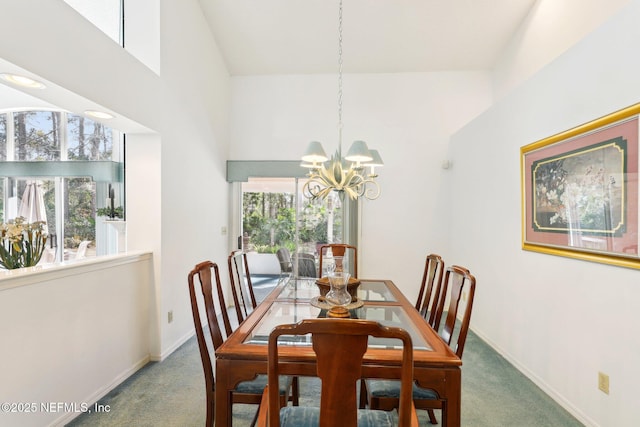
(257, 385)
(299, 416)
(391, 388)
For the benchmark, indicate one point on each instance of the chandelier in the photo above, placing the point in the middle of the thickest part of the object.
(344, 175)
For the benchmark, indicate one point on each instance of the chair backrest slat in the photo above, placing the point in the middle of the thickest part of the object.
(429, 294)
(244, 299)
(456, 280)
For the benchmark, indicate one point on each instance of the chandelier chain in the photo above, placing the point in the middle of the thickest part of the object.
(345, 177)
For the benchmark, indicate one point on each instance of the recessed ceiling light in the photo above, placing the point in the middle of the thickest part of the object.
(22, 81)
(98, 114)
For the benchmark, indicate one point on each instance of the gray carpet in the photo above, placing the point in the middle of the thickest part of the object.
(171, 393)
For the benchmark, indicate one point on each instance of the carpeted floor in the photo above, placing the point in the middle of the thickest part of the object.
(171, 393)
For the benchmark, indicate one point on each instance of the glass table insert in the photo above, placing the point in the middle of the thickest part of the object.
(305, 288)
(285, 312)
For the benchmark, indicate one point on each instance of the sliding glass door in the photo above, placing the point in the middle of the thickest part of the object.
(269, 212)
(276, 215)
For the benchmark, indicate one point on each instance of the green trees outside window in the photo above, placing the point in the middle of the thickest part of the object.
(70, 202)
(269, 222)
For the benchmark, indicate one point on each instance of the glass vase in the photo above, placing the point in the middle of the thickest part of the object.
(338, 294)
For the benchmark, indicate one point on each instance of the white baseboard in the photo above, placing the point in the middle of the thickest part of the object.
(550, 391)
(100, 393)
(166, 353)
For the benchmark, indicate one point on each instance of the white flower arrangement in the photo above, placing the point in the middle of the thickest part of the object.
(21, 243)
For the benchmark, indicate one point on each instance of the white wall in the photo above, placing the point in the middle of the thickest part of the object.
(194, 110)
(176, 192)
(70, 334)
(144, 215)
(560, 320)
(408, 117)
(550, 28)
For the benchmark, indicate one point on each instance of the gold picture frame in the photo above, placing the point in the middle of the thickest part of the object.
(580, 191)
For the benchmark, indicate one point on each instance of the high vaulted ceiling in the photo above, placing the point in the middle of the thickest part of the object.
(301, 37)
(379, 36)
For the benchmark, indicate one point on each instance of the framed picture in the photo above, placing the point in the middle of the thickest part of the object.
(580, 191)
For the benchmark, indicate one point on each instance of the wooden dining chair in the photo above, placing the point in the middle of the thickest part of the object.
(203, 303)
(305, 262)
(340, 345)
(427, 302)
(286, 266)
(244, 299)
(383, 394)
(430, 288)
(340, 250)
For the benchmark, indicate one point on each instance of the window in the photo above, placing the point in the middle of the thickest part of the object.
(3, 157)
(270, 211)
(69, 164)
(276, 214)
(36, 136)
(88, 140)
(3, 137)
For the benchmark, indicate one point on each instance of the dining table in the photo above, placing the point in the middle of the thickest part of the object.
(243, 355)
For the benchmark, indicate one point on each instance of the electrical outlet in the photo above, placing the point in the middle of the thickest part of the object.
(603, 382)
(170, 316)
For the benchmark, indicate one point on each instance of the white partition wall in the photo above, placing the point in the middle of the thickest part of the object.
(72, 333)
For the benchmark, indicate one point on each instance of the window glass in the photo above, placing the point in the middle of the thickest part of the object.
(35, 201)
(271, 219)
(2, 181)
(87, 139)
(3, 157)
(74, 207)
(269, 215)
(37, 135)
(282, 228)
(3, 137)
(319, 222)
(80, 220)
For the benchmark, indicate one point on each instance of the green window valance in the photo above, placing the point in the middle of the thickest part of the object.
(100, 171)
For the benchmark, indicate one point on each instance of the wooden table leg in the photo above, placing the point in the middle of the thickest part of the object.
(451, 407)
(223, 395)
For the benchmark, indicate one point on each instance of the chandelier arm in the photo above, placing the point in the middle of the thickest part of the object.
(372, 192)
(364, 186)
(312, 188)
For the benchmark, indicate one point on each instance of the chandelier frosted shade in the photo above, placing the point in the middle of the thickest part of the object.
(359, 152)
(315, 153)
